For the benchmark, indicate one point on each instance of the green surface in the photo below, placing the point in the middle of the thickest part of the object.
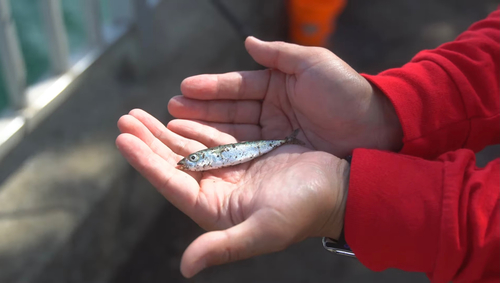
(27, 17)
(3, 92)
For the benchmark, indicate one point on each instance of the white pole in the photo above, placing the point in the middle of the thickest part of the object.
(121, 12)
(93, 22)
(11, 58)
(56, 35)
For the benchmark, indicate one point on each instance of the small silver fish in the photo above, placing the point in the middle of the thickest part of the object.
(232, 154)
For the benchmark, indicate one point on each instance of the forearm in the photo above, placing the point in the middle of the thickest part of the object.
(439, 217)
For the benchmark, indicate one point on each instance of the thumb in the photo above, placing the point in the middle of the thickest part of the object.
(242, 241)
(286, 57)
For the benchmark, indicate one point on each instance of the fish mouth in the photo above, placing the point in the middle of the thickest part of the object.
(182, 163)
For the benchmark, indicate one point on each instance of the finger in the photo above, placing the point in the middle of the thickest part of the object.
(286, 57)
(222, 111)
(239, 242)
(234, 85)
(129, 124)
(214, 134)
(176, 186)
(177, 143)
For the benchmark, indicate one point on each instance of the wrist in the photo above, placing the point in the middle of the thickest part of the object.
(335, 223)
(392, 131)
(384, 130)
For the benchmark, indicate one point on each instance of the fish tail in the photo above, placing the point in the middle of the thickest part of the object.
(292, 138)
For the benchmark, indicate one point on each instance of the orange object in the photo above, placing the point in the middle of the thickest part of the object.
(311, 22)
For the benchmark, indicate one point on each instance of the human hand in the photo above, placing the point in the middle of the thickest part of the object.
(306, 87)
(253, 208)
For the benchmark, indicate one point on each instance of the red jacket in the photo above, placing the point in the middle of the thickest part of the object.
(429, 208)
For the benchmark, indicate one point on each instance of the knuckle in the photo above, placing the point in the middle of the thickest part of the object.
(228, 255)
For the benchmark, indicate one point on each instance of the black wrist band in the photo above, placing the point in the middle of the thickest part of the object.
(339, 246)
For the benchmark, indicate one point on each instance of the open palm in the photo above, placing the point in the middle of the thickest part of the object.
(256, 207)
(306, 87)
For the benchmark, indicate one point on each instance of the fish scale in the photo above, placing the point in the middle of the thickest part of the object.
(233, 154)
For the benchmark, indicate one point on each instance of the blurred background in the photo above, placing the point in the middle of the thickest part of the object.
(72, 209)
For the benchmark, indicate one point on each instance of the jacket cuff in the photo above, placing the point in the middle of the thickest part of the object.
(388, 222)
(419, 106)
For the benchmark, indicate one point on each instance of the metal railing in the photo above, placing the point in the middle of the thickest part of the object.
(11, 57)
(29, 104)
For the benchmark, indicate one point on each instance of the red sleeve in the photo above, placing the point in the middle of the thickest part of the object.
(449, 98)
(441, 217)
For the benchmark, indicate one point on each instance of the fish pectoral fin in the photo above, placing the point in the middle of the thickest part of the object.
(292, 138)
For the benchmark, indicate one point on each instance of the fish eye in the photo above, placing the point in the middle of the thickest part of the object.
(193, 157)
